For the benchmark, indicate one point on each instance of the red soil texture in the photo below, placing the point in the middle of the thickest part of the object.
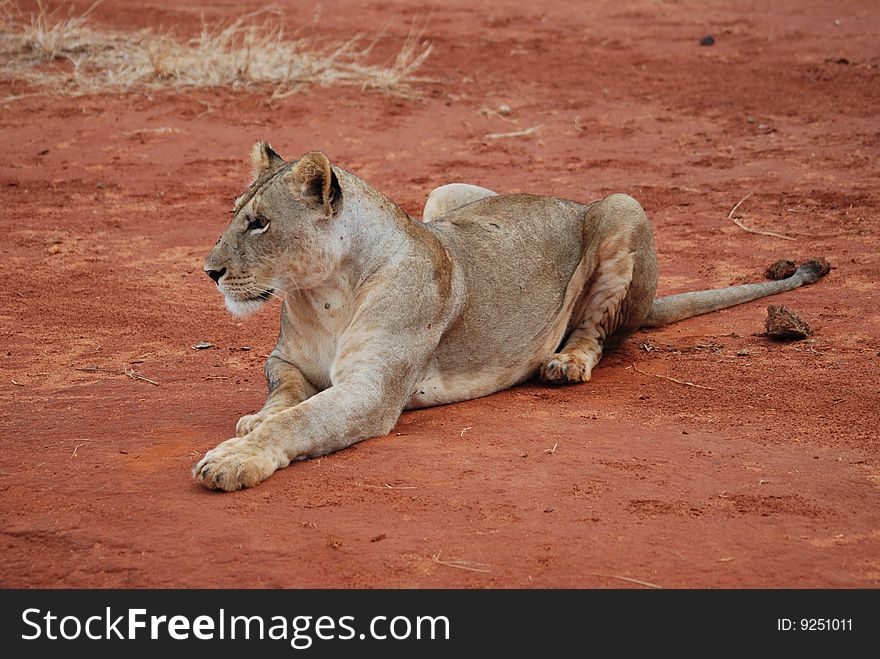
(764, 475)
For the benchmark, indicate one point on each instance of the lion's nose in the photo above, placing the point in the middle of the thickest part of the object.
(216, 274)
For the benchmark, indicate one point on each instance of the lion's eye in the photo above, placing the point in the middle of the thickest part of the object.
(258, 223)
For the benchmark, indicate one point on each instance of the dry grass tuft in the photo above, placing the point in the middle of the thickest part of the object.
(46, 36)
(252, 51)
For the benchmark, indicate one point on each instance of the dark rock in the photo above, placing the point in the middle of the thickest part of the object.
(784, 324)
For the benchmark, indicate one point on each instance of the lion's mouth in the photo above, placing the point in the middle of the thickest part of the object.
(262, 296)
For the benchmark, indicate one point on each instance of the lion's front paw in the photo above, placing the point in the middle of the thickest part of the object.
(247, 423)
(234, 464)
(564, 368)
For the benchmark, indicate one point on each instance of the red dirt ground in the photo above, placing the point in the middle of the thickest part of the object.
(765, 476)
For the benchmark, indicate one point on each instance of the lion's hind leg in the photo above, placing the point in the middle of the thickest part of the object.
(598, 319)
(617, 296)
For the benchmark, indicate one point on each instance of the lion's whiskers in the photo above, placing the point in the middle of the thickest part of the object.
(270, 292)
(271, 285)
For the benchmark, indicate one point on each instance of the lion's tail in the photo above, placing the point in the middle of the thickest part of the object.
(673, 308)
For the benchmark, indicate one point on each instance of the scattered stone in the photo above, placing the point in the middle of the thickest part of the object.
(743, 353)
(708, 40)
(750, 119)
(54, 249)
(782, 269)
(203, 345)
(784, 324)
(504, 109)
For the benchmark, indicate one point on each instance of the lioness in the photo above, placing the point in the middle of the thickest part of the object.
(382, 313)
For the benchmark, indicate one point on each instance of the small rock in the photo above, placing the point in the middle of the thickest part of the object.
(743, 353)
(708, 40)
(504, 109)
(750, 119)
(548, 509)
(54, 249)
(203, 345)
(782, 269)
(245, 348)
(784, 324)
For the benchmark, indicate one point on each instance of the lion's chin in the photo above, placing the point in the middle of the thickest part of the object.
(242, 308)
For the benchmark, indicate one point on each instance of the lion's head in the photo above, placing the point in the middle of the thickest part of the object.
(281, 237)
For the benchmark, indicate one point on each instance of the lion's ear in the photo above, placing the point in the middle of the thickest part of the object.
(313, 177)
(264, 158)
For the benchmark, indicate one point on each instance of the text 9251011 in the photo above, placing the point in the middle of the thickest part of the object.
(814, 624)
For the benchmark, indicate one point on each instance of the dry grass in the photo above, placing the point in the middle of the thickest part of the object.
(67, 54)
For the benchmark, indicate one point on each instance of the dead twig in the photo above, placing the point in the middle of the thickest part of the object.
(647, 584)
(516, 133)
(464, 430)
(142, 132)
(459, 564)
(75, 449)
(137, 376)
(130, 372)
(738, 204)
(387, 486)
(551, 451)
(742, 226)
(676, 380)
(10, 99)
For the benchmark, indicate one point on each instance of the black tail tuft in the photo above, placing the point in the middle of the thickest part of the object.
(814, 269)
